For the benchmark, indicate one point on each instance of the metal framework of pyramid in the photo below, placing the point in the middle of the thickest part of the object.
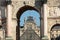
(29, 34)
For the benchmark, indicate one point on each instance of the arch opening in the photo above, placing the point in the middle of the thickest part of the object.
(35, 17)
(55, 32)
(18, 15)
(25, 8)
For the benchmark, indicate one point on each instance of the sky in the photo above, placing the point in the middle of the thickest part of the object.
(32, 13)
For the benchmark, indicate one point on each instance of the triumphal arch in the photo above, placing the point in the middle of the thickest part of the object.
(11, 11)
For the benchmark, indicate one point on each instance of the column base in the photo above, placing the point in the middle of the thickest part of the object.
(45, 38)
(9, 38)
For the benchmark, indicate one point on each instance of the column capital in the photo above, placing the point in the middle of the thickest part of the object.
(8, 2)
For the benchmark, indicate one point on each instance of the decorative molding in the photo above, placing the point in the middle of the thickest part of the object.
(53, 17)
(14, 18)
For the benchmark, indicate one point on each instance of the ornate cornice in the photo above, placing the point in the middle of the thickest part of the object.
(5, 3)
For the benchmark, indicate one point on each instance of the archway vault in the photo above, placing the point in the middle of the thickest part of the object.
(55, 32)
(54, 26)
(19, 13)
(25, 8)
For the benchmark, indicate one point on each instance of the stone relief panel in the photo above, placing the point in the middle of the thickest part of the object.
(53, 2)
(54, 12)
(18, 4)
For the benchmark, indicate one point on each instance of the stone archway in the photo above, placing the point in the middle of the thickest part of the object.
(19, 13)
(55, 32)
